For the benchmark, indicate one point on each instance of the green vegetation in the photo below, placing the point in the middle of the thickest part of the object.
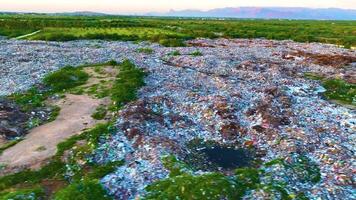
(57, 168)
(196, 53)
(183, 184)
(23, 194)
(65, 78)
(336, 89)
(128, 81)
(87, 189)
(29, 99)
(175, 53)
(340, 90)
(100, 113)
(174, 31)
(9, 144)
(145, 50)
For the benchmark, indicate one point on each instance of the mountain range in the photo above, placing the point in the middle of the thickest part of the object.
(267, 13)
(240, 12)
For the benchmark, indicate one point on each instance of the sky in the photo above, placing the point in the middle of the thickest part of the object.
(144, 6)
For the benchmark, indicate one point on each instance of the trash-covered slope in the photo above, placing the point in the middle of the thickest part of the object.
(252, 96)
(250, 92)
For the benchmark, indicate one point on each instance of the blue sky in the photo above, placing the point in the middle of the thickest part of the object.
(143, 6)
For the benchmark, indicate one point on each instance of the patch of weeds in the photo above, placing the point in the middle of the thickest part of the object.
(100, 113)
(145, 50)
(196, 53)
(30, 99)
(66, 78)
(87, 189)
(56, 167)
(175, 53)
(77, 91)
(54, 113)
(23, 194)
(172, 42)
(185, 184)
(9, 144)
(128, 81)
(336, 89)
(99, 171)
(340, 90)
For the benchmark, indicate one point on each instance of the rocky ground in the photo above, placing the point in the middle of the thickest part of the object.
(247, 92)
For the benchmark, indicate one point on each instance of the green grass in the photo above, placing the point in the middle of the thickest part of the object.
(336, 89)
(30, 99)
(145, 50)
(340, 90)
(87, 189)
(9, 144)
(196, 53)
(65, 78)
(182, 184)
(175, 53)
(100, 113)
(175, 31)
(128, 81)
(56, 167)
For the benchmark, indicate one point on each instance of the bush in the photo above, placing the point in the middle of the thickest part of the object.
(66, 78)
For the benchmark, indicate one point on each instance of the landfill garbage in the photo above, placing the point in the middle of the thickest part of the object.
(251, 92)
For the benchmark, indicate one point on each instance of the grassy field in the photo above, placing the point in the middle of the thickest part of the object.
(174, 31)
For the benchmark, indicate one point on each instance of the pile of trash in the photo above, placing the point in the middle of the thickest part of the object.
(253, 93)
(247, 91)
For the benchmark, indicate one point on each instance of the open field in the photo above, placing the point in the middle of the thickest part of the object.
(173, 31)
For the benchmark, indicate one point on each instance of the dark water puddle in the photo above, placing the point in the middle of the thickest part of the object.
(227, 158)
(213, 156)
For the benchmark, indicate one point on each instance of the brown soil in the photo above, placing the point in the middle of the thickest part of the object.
(326, 59)
(41, 143)
(74, 117)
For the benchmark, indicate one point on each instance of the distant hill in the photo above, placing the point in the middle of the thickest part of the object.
(268, 13)
(81, 13)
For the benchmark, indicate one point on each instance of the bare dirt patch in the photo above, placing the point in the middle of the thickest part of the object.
(74, 117)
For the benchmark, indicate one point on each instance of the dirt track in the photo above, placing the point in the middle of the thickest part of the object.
(40, 144)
